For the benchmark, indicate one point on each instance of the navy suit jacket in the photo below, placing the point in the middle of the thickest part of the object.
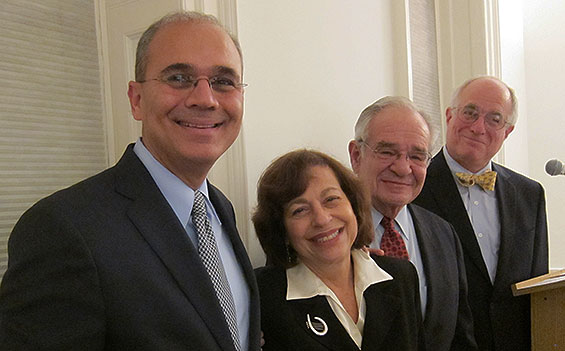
(106, 265)
(501, 321)
(392, 319)
(448, 322)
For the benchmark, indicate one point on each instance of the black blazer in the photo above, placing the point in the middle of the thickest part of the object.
(448, 323)
(106, 265)
(501, 321)
(392, 321)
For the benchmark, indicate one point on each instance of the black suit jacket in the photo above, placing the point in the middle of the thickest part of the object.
(501, 321)
(392, 320)
(448, 322)
(106, 265)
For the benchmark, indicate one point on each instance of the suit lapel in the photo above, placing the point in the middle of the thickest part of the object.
(159, 226)
(227, 216)
(225, 213)
(453, 210)
(426, 239)
(506, 198)
(380, 307)
(336, 338)
(428, 245)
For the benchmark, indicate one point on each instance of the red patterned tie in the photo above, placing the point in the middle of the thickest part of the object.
(392, 243)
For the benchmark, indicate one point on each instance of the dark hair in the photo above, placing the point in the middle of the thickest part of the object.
(287, 178)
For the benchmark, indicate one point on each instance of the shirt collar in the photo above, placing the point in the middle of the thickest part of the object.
(403, 219)
(302, 283)
(455, 167)
(179, 195)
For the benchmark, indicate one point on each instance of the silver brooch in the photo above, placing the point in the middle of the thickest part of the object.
(318, 326)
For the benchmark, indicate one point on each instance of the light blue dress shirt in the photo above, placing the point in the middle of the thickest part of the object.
(181, 198)
(482, 208)
(405, 226)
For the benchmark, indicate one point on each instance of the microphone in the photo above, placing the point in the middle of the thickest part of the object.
(555, 167)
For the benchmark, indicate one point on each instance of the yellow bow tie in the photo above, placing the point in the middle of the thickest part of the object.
(485, 180)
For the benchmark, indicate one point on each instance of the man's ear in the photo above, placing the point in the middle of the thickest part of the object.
(508, 131)
(448, 114)
(134, 95)
(354, 155)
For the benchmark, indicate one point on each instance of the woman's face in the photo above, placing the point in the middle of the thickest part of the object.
(320, 223)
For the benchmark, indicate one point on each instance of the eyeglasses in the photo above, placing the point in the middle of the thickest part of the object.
(470, 114)
(389, 154)
(180, 81)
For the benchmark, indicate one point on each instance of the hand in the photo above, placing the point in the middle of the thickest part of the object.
(372, 251)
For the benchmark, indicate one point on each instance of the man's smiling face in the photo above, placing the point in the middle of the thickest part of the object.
(392, 184)
(188, 129)
(473, 145)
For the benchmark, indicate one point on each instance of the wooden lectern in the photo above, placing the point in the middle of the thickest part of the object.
(547, 296)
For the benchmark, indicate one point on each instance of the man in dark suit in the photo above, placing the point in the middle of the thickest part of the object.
(118, 261)
(501, 224)
(390, 156)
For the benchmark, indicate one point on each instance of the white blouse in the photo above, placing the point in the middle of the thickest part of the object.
(304, 284)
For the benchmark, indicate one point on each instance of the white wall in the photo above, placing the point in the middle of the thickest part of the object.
(312, 66)
(544, 54)
(532, 41)
(512, 66)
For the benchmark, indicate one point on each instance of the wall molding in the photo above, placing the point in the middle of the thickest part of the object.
(468, 41)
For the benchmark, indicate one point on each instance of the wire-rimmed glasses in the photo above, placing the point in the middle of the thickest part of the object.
(470, 114)
(184, 82)
(390, 154)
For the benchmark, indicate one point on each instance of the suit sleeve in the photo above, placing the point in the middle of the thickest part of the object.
(409, 334)
(541, 260)
(50, 298)
(411, 275)
(464, 338)
(418, 311)
(273, 322)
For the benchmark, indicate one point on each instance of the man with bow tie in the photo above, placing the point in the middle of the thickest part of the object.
(498, 214)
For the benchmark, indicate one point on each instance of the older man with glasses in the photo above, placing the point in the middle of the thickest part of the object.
(390, 156)
(498, 214)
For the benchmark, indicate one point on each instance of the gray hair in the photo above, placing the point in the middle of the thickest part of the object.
(513, 100)
(141, 55)
(361, 126)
